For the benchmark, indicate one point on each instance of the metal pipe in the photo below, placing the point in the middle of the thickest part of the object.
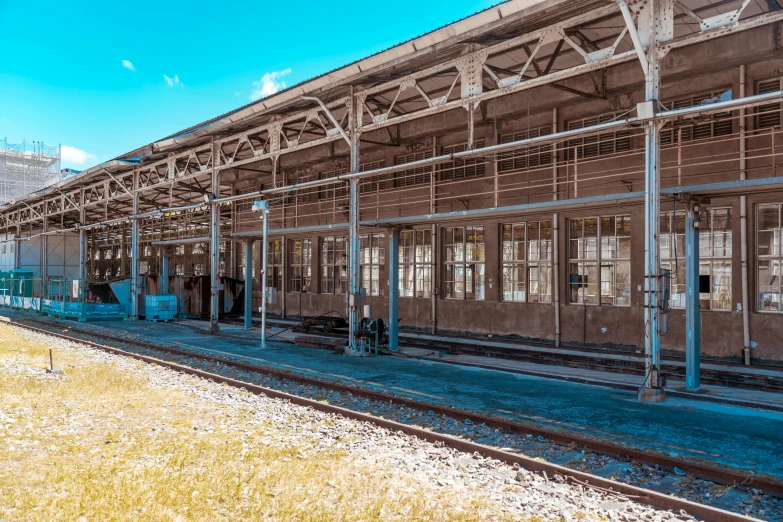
(744, 223)
(248, 316)
(394, 287)
(182, 241)
(692, 311)
(434, 277)
(82, 248)
(556, 274)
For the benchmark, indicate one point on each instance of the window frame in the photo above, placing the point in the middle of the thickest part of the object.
(274, 264)
(300, 265)
(530, 261)
(476, 267)
(461, 169)
(337, 266)
(620, 140)
(508, 161)
(415, 176)
(603, 263)
(372, 263)
(415, 269)
(775, 258)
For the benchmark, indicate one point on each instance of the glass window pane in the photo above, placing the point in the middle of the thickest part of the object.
(769, 286)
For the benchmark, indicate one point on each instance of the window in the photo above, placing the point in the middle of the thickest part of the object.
(333, 265)
(600, 145)
(306, 195)
(371, 262)
(527, 261)
(769, 257)
(338, 190)
(462, 168)
(415, 176)
(672, 243)
(769, 115)
(464, 263)
(715, 258)
(415, 258)
(600, 260)
(274, 264)
(300, 253)
(245, 205)
(528, 157)
(373, 183)
(715, 125)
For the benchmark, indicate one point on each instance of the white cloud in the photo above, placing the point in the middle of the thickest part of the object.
(172, 82)
(128, 65)
(73, 156)
(269, 84)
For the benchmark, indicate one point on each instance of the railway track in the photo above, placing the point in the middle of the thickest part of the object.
(590, 359)
(702, 471)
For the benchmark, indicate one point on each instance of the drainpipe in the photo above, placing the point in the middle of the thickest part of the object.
(744, 229)
(554, 156)
(556, 274)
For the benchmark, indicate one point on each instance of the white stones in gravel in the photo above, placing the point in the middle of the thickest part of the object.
(516, 491)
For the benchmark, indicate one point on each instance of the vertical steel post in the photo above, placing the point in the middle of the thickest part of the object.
(394, 287)
(248, 285)
(134, 262)
(82, 248)
(214, 246)
(163, 285)
(556, 274)
(555, 187)
(744, 225)
(45, 248)
(354, 279)
(692, 313)
(434, 278)
(649, 22)
(264, 289)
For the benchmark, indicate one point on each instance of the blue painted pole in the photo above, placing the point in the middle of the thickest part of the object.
(394, 287)
(248, 285)
(692, 315)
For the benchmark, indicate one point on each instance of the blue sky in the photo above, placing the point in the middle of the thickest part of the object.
(103, 78)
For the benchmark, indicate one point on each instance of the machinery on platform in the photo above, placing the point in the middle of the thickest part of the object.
(372, 334)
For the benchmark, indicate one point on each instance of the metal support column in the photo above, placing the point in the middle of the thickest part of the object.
(650, 24)
(214, 247)
(45, 249)
(82, 247)
(163, 284)
(692, 313)
(248, 285)
(394, 287)
(354, 279)
(264, 279)
(134, 262)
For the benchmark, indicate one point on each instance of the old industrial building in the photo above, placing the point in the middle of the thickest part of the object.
(584, 174)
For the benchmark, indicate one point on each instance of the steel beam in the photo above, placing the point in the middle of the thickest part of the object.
(249, 284)
(134, 262)
(214, 250)
(394, 287)
(692, 311)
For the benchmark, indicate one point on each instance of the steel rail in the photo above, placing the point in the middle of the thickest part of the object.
(574, 477)
(713, 474)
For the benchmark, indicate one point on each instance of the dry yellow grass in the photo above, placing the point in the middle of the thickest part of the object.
(103, 443)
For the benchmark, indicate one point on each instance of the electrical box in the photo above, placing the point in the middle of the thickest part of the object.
(645, 110)
(271, 295)
(356, 300)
